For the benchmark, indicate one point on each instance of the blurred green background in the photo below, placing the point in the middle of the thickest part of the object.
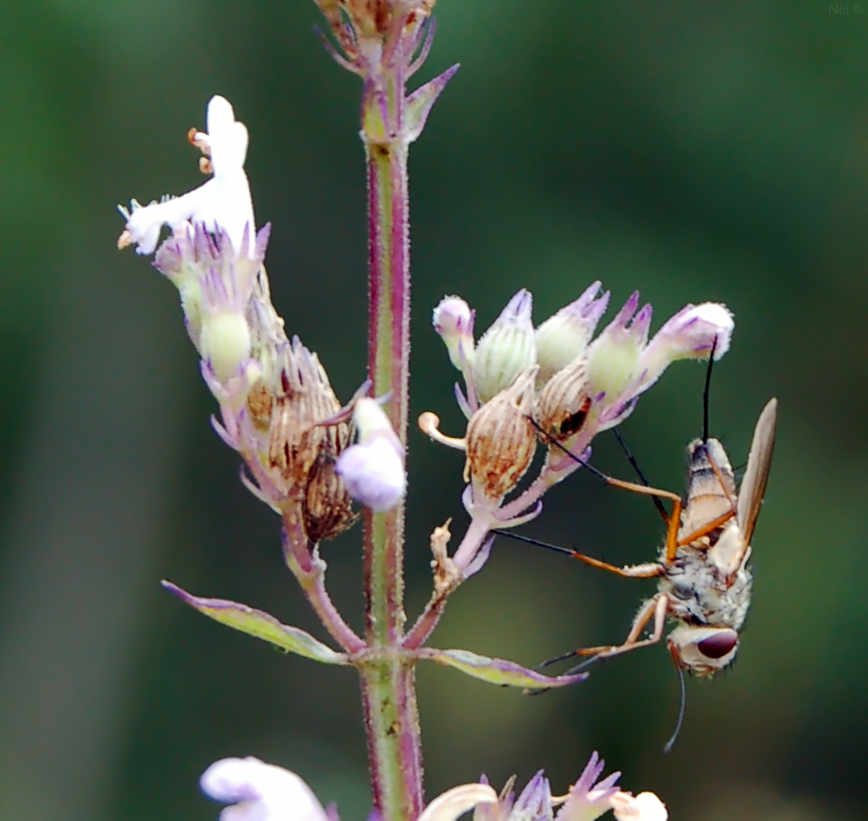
(695, 150)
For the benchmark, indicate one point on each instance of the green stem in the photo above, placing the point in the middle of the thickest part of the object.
(387, 675)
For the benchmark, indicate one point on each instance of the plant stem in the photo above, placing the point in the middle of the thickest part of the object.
(309, 569)
(387, 675)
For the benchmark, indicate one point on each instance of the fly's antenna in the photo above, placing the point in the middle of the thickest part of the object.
(682, 707)
(657, 503)
(706, 392)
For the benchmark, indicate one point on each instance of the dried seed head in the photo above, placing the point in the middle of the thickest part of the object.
(565, 401)
(327, 508)
(268, 349)
(306, 399)
(501, 440)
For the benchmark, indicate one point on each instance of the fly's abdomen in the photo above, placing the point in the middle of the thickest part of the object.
(710, 486)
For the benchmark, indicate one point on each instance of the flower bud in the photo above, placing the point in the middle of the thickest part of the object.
(564, 336)
(195, 258)
(565, 402)
(501, 439)
(689, 334)
(373, 469)
(453, 320)
(614, 356)
(506, 349)
(225, 343)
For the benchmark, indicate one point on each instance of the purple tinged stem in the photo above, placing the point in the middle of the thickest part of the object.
(309, 572)
(387, 674)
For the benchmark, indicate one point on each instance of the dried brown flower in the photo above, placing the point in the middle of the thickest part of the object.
(565, 401)
(297, 438)
(501, 439)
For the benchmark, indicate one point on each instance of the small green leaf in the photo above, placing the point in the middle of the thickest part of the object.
(497, 671)
(421, 101)
(261, 625)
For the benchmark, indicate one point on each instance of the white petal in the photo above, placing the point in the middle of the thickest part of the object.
(373, 473)
(222, 202)
(644, 807)
(371, 421)
(455, 802)
(226, 136)
(260, 792)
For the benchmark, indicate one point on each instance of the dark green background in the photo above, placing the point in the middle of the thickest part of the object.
(694, 150)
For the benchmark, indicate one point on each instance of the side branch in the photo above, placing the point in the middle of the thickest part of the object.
(309, 569)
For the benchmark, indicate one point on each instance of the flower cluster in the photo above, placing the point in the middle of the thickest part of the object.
(277, 408)
(554, 383)
(257, 791)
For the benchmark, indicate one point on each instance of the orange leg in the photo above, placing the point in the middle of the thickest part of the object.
(674, 517)
(704, 531)
(640, 571)
(653, 608)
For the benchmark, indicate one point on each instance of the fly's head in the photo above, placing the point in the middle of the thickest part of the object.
(703, 650)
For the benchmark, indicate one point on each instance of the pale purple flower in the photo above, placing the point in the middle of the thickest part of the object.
(565, 335)
(373, 469)
(223, 202)
(588, 799)
(622, 364)
(689, 334)
(258, 791)
(453, 320)
(506, 348)
(613, 357)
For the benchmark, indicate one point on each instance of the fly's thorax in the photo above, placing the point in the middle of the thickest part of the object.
(703, 650)
(702, 595)
(729, 551)
(710, 487)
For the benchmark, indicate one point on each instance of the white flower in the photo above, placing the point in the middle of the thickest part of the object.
(373, 470)
(222, 202)
(644, 807)
(260, 792)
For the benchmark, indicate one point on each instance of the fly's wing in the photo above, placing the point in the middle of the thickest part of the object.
(753, 486)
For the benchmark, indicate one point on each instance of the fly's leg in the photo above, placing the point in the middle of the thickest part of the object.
(654, 608)
(648, 570)
(674, 517)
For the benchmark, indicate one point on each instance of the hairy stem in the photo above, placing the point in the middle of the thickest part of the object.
(309, 569)
(387, 677)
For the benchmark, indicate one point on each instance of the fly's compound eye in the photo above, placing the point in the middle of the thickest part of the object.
(718, 645)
